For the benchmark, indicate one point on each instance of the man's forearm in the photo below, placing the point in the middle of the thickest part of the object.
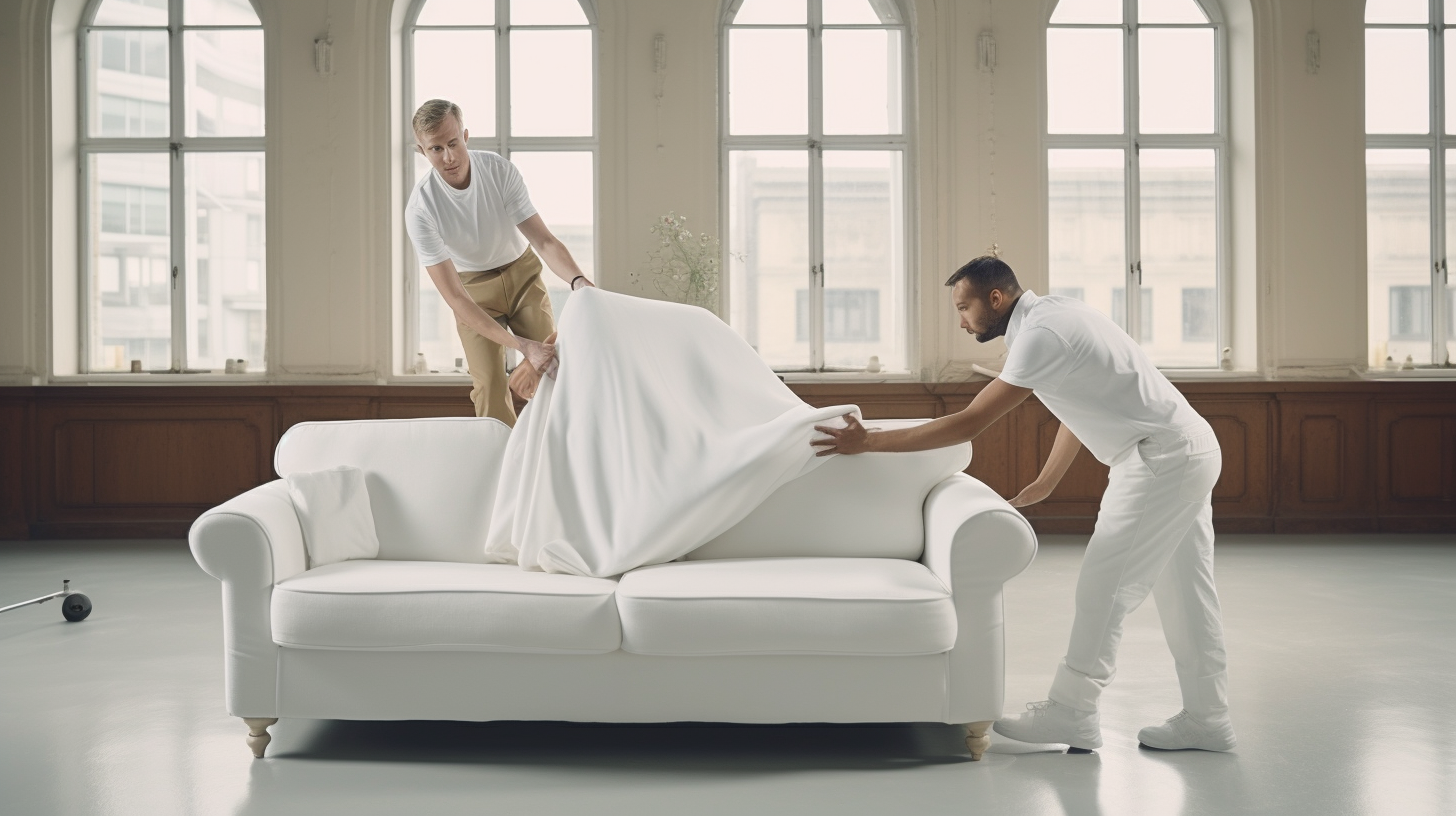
(558, 259)
(469, 312)
(994, 401)
(1064, 451)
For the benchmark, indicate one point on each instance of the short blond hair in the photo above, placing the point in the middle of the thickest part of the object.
(432, 114)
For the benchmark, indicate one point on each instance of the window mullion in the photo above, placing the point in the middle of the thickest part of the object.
(1133, 194)
(178, 216)
(816, 188)
(1437, 186)
(503, 76)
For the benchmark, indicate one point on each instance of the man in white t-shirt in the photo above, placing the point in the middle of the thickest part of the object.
(1154, 531)
(471, 221)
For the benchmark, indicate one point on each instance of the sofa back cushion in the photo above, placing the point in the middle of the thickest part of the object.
(431, 481)
(865, 506)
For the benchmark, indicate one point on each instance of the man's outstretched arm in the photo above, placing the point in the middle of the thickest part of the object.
(557, 257)
(994, 401)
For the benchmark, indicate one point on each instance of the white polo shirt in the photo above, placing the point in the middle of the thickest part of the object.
(1089, 373)
(474, 227)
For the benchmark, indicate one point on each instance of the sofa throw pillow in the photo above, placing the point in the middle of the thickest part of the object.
(333, 510)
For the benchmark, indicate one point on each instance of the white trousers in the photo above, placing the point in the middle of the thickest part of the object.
(1154, 534)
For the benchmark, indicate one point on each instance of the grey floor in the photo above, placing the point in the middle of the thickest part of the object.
(1342, 649)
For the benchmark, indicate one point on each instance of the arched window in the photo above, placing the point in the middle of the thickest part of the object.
(524, 74)
(172, 176)
(1409, 202)
(1137, 170)
(815, 151)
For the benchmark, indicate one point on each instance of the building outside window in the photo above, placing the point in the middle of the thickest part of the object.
(815, 147)
(524, 74)
(172, 194)
(1409, 196)
(1137, 168)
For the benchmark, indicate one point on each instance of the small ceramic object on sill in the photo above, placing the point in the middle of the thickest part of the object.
(1390, 364)
(136, 366)
(1409, 364)
(1226, 361)
(459, 366)
(420, 366)
(230, 367)
(873, 367)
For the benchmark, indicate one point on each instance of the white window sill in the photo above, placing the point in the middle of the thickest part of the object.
(859, 377)
(1432, 373)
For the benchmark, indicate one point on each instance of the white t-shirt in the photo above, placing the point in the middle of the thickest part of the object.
(1092, 376)
(474, 227)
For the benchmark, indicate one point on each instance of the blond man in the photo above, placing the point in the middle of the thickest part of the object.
(478, 235)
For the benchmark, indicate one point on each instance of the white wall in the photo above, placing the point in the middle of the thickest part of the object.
(333, 250)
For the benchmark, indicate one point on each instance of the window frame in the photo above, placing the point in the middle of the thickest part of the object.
(1132, 141)
(814, 143)
(178, 144)
(502, 142)
(1435, 141)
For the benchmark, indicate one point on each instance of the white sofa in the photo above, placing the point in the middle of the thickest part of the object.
(866, 591)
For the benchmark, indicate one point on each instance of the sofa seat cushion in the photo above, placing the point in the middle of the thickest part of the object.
(734, 606)
(444, 606)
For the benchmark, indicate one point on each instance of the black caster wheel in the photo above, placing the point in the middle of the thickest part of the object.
(75, 607)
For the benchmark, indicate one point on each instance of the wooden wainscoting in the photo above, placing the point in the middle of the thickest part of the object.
(144, 461)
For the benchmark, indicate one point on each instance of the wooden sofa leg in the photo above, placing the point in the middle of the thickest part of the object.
(976, 740)
(258, 736)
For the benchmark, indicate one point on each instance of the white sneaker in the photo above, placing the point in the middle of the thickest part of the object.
(1183, 732)
(1049, 721)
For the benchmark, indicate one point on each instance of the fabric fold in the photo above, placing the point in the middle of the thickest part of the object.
(661, 430)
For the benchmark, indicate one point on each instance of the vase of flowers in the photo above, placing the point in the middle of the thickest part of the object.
(684, 267)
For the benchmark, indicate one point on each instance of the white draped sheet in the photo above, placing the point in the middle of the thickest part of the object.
(661, 430)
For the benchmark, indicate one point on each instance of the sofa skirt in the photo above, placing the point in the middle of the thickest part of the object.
(616, 687)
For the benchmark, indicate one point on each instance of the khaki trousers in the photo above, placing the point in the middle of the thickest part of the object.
(515, 296)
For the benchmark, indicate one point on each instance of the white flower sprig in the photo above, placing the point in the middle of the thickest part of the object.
(684, 267)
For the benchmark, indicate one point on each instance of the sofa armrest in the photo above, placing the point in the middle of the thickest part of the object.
(972, 535)
(249, 543)
(975, 542)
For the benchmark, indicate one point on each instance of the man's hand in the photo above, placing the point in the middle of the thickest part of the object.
(541, 356)
(851, 439)
(1031, 494)
(524, 380)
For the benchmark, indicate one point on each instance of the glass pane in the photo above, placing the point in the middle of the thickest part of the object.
(551, 83)
(863, 83)
(1397, 77)
(1170, 11)
(768, 236)
(864, 260)
(1450, 244)
(1450, 80)
(1178, 192)
(1395, 11)
(547, 12)
(225, 88)
(219, 12)
(132, 13)
(1088, 11)
(1175, 80)
(768, 81)
(770, 12)
(457, 12)
(129, 257)
(562, 188)
(127, 72)
(1398, 213)
(226, 256)
(438, 339)
(1086, 225)
(458, 66)
(858, 12)
(1084, 80)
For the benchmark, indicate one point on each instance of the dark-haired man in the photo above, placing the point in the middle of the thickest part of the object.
(1154, 531)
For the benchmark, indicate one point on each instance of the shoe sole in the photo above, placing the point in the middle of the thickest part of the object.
(1148, 747)
(1071, 747)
